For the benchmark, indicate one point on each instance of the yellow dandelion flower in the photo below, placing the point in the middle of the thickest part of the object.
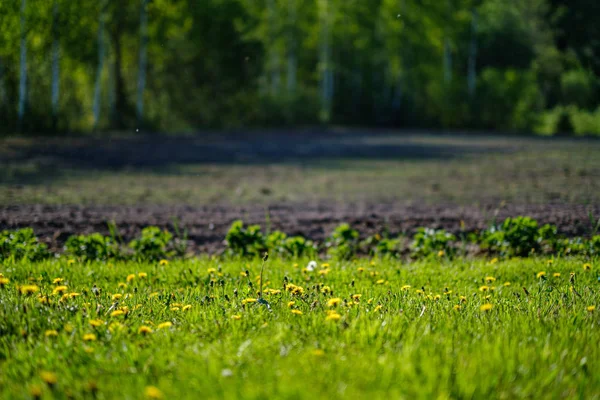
(356, 297)
(370, 301)
(494, 260)
(89, 337)
(506, 284)
(549, 262)
(29, 289)
(484, 288)
(153, 294)
(44, 299)
(441, 253)
(360, 269)
(117, 296)
(56, 281)
(323, 272)
(163, 262)
(51, 333)
(378, 307)
(115, 326)
(3, 281)
(490, 279)
(291, 303)
(164, 325)
(142, 275)
(447, 292)
(297, 312)
(334, 302)
(325, 265)
(49, 377)
(249, 300)
(36, 392)
(486, 307)
(68, 328)
(59, 289)
(380, 281)
(130, 278)
(556, 274)
(187, 307)
(96, 322)
(325, 289)
(457, 307)
(117, 313)
(144, 330)
(587, 266)
(122, 285)
(333, 317)
(74, 294)
(541, 274)
(591, 308)
(405, 288)
(236, 317)
(211, 270)
(70, 262)
(419, 291)
(463, 299)
(174, 308)
(152, 392)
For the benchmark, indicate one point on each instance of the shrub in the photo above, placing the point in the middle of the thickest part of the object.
(152, 245)
(245, 241)
(520, 236)
(429, 241)
(22, 244)
(92, 247)
(343, 242)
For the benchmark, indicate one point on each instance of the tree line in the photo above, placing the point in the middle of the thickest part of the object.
(177, 65)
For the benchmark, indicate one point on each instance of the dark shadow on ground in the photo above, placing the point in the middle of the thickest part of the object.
(45, 159)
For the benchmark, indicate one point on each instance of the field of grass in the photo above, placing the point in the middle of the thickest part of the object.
(199, 328)
(287, 167)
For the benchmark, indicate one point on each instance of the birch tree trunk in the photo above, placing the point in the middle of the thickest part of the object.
(291, 56)
(325, 62)
(472, 66)
(22, 70)
(143, 60)
(99, 68)
(55, 64)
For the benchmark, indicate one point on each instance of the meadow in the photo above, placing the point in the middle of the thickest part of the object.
(361, 328)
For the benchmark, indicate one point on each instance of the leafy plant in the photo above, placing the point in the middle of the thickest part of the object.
(343, 242)
(519, 236)
(153, 244)
(429, 241)
(22, 244)
(245, 241)
(92, 247)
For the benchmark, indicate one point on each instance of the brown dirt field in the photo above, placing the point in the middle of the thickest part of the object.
(207, 225)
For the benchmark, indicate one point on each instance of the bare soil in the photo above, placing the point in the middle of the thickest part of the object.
(206, 226)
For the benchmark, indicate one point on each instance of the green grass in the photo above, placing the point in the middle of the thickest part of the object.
(458, 169)
(394, 342)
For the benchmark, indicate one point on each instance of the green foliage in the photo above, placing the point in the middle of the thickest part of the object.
(22, 244)
(520, 236)
(427, 242)
(92, 247)
(153, 245)
(343, 242)
(246, 241)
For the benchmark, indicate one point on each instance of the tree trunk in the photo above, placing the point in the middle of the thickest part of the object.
(99, 68)
(22, 70)
(143, 60)
(55, 64)
(472, 72)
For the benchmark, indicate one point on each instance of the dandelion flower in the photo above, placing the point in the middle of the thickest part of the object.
(56, 281)
(174, 308)
(96, 322)
(29, 289)
(356, 297)
(506, 284)
(360, 269)
(122, 285)
(291, 303)
(236, 317)
(587, 266)
(70, 262)
(117, 296)
(457, 307)
(549, 262)
(333, 317)
(89, 337)
(405, 288)
(152, 392)
(556, 274)
(463, 299)
(249, 300)
(49, 377)
(324, 272)
(115, 326)
(378, 307)
(494, 260)
(591, 308)
(142, 275)
(484, 288)
(297, 312)
(59, 289)
(380, 281)
(186, 307)
(164, 325)
(334, 302)
(130, 278)
(541, 274)
(490, 279)
(325, 265)
(3, 281)
(36, 392)
(163, 262)
(312, 265)
(51, 333)
(117, 313)
(486, 307)
(144, 330)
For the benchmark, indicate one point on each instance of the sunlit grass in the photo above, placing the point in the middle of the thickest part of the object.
(359, 329)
